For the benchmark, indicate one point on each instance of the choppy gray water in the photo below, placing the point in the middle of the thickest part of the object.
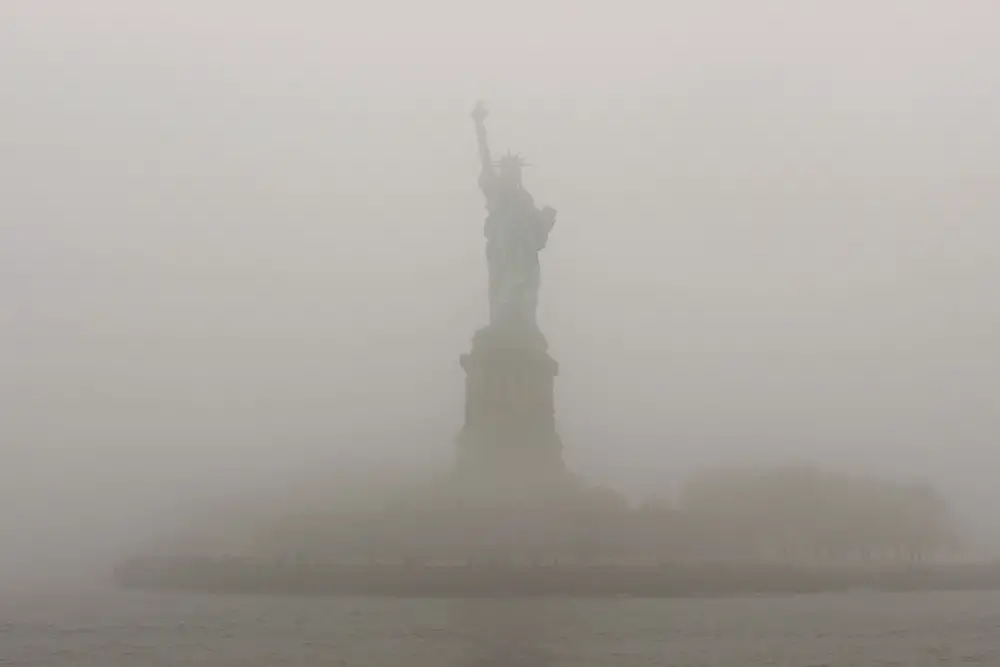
(115, 629)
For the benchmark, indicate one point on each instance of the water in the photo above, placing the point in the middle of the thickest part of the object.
(115, 629)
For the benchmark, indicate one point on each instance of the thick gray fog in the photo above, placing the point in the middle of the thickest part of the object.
(244, 239)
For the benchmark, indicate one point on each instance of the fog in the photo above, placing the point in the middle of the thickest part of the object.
(240, 241)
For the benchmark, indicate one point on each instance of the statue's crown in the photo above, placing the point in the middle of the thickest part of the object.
(511, 160)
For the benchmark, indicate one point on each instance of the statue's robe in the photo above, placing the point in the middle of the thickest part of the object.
(515, 231)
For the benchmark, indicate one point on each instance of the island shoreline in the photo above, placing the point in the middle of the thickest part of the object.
(233, 576)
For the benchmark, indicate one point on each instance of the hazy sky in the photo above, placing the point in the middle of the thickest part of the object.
(237, 237)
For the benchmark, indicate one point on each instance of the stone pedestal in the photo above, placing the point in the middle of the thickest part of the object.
(509, 434)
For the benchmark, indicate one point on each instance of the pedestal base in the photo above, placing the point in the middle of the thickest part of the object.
(509, 431)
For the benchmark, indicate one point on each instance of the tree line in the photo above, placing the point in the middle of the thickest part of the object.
(797, 514)
(807, 514)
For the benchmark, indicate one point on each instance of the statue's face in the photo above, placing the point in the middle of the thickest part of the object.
(510, 177)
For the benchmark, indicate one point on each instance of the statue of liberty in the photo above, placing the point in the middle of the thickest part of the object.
(515, 232)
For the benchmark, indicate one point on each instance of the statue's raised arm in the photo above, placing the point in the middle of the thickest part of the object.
(479, 114)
